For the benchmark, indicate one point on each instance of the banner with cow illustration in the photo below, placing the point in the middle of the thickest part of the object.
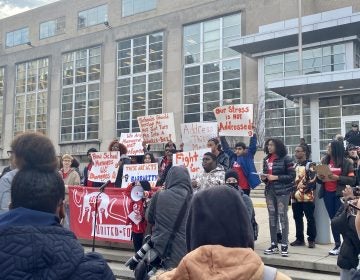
(113, 209)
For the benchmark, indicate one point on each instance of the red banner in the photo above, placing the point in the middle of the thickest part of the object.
(113, 209)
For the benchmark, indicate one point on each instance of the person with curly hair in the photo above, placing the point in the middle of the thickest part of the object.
(116, 146)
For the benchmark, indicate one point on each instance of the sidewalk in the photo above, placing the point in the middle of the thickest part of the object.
(317, 259)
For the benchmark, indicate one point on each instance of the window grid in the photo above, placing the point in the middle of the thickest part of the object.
(52, 28)
(17, 37)
(2, 91)
(93, 16)
(132, 7)
(81, 95)
(140, 83)
(215, 87)
(31, 96)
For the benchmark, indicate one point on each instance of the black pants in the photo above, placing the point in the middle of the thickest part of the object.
(299, 209)
(137, 240)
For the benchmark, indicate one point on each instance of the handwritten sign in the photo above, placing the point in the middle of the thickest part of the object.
(196, 135)
(192, 160)
(157, 128)
(105, 166)
(140, 172)
(133, 143)
(235, 120)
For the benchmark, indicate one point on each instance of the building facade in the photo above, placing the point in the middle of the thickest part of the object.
(81, 72)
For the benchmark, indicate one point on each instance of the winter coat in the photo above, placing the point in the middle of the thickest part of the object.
(72, 178)
(344, 223)
(344, 179)
(215, 177)
(223, 160)
(246, 161)
(163, 214)
(35, 246)
(87, 183)
(284, 169)
(5, 186)
(218, 262)
(353, 137)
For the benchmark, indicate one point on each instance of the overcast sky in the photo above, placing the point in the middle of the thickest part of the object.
(12, 7)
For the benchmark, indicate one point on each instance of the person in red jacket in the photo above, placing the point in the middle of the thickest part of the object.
(136, 218)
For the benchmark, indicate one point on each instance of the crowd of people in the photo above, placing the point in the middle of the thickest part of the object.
(192, 222)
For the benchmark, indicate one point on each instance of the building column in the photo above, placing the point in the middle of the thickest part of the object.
(321, 217)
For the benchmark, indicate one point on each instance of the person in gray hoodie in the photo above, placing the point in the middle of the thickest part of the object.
(162, 213)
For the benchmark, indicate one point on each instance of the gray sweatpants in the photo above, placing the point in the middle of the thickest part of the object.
(277, 206)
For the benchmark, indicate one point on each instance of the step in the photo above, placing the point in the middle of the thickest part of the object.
(298, 274)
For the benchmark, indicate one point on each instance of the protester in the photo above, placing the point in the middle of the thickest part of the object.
(166, 162)
(87, 169)
(303, 197)
(221, 158)
(148, 158)
(11, 166)
(352, 154)
(136, 218)
(344, 223)
(232, 180)
(212, 175)
(353, 135)
(166, 207)
(242, 160)
(278, 176)
(31, 229)
(116, 146)
(332, 187)
(75, 165)
(220, 241)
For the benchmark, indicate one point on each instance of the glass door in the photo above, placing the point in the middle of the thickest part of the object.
(346, 123)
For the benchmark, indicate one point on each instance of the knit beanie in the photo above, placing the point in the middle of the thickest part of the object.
(231, 173)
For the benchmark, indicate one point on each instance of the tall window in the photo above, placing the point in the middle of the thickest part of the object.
(212, 70)
(17, 37)
(92, 16)
(80, 95)
(52, 28)
(31, 95)
(140, 80)
(2, 92)
(132, 7)
(282, 116)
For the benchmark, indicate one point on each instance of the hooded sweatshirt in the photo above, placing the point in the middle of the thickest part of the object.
(35, 246)
(164, 212)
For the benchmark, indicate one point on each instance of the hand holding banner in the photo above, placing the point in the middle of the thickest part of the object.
(235, 120)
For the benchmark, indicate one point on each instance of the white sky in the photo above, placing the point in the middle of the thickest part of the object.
(13, 7)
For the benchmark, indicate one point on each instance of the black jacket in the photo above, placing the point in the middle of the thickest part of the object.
(344, 223)
(223, 160)
(353, 137)
(284, 169)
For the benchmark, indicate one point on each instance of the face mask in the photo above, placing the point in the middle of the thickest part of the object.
(234, 185)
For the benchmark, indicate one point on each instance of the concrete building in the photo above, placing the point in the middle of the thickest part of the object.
(82, 71)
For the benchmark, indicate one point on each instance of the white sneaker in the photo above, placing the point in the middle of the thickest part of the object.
(335, 251)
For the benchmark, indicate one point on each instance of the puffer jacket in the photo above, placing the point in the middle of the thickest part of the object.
(215, 177)
(35, 246)
(344, 223)
(284, 169)
(163, 211)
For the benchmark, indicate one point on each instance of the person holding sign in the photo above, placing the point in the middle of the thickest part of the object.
(278, 176)
(115, 146)
(166, 162)
(212, 175)
(342, 174)
(242, 160)
(87, 169)
(221, 157)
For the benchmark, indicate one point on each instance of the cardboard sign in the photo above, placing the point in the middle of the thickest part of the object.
(140, 172)
(113, 209)
(105, 166)
(235, 120)
(192, 160)
(157, 128)
(323, 170)
(196, 135)
(133, 143)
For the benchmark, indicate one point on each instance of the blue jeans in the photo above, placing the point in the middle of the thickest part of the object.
(332, 205)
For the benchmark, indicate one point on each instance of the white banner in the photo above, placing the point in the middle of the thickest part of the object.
(192, 160)
(196, 135)
(133, 143)
(140, 172)
(105, 166)
(235, 120)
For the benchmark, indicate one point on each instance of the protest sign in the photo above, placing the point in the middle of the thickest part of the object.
(235, 120)
(105, 166)
(133, 143)
(196, 135)
(192, 160)
(140, 172)
(157, 128)
(112, 210)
